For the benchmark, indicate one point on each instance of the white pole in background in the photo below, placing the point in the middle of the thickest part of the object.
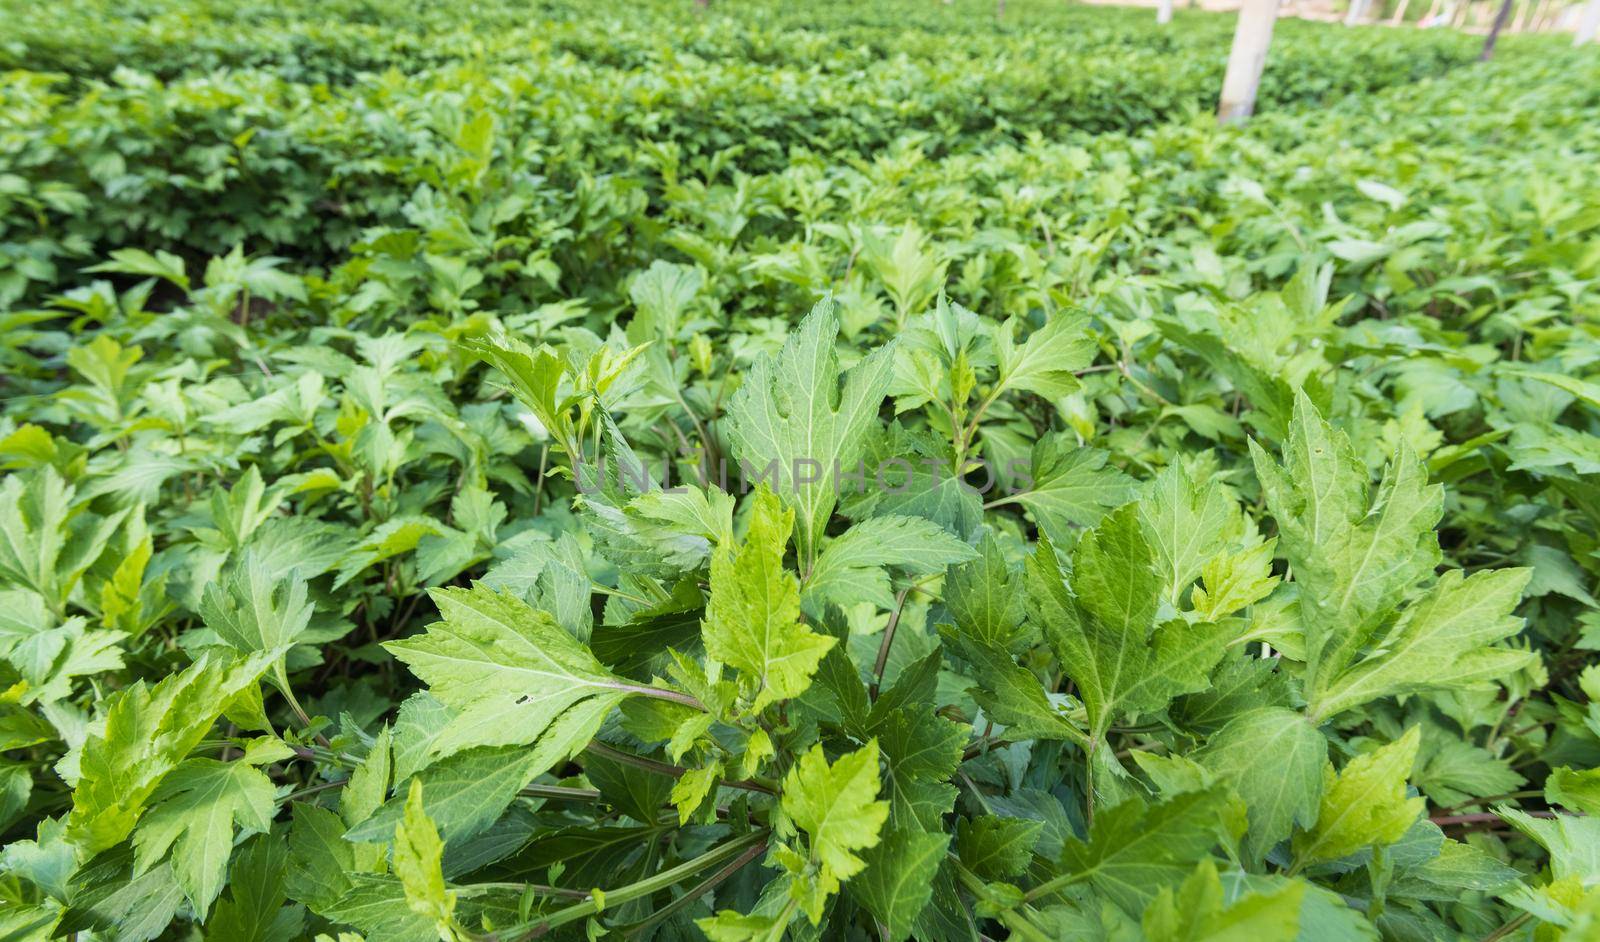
(1164, 12)
(1249, 56)
(1358, 8)
(1588, 24)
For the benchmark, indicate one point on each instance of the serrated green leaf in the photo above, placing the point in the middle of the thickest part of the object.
(792, 411)
(1134, 850)
(753, 617)
(1196, 912)
(418, 852)
(1104, 628)
(1280, 794)
(898, 880)
(1070, 487)
(506, 669)
(996, 848)
(1045, 364)
(194, 812)
(1364, 804)
(837, 806)
(852, 567)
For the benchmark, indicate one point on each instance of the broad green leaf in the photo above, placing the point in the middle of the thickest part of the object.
(506, 669)
(193, 813)
(465, 793)
(921, 753)
(753, 617)
(1010, 694)
(137, 262)
(1577, 789)
(1573, 843)
(994, 847)
(108, 895)
(1134, 850)
(1186, 525)
(793, 415)
(254, 610)
(253, 910)
(1196, 912)
(984, 599)
(1357, 553)
(1232, 582)
(368, 784)
(1354, 552)
(1457, 867)
(1364, 804)
(418, 852)
(852, 567)
(1450, 771)
(536, 380)
(1445, 638)
(47, 542)
(1280, 793)
(147, 732)
(837, 807)
(1046, 363)
(661, 294)
(1104, 628)
(898, 880)
(1069, 487)
(320, 859)
(910, 267)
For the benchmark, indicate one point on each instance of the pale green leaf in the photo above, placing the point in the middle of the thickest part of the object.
(837, 807)
(792, 414)
(194, 814)
(505, 668)
(753, 618)
(1364, 804)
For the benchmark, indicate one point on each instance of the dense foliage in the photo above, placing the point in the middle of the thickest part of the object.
(851, 471)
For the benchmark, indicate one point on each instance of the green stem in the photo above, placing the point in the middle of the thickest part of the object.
(1508, 928)
(1023, 928)
(970, 430)
(781, 924)
(536, 888)
(559, 793)
(676, 771)
(312, 790)
(281, 674)
(661, 693)
(695, 892)
(633, 891)
(1491, 799)
(888, 642)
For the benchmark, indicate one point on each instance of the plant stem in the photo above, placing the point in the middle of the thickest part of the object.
(661, 693)
(781, 925)
(1023, 928)
(538, 888)
(282, 676)
(1472, 802)
(1508, 928)
(559, 793)
(676, 771)
(633, 891)
(695, 892)
(888, 642)
(312, 790)
(1482, 817)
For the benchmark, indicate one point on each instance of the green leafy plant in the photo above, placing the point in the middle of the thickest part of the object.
(843, 471)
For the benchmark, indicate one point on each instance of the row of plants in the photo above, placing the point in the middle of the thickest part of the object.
(1181, 533)
(339, 43)
(262, 158)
